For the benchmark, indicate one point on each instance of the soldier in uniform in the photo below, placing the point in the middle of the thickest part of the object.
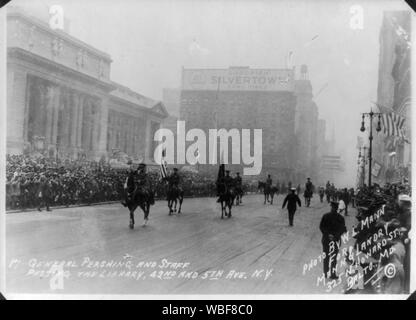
(239, 185)
(143, 181)
(332, 227)
(130, 184)
(308, 192)
(174, 179)
(227, 180)
(269, 181)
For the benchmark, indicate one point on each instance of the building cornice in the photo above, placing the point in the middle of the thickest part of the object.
(47, 63)
(15, 13)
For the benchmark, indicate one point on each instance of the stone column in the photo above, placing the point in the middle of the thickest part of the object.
(56, 107)
(16, 103)
(148, 141)
(49, 108)
(103, 128)
(74, 122)
(96, 106)
(80, 120)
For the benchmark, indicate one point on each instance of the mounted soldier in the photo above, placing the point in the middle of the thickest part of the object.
(269, 181)
(138, 192)
(238, 182)
(308, 192)
(174, 192)
(225, 191)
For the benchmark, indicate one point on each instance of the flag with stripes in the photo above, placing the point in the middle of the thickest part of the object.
(163, 170)
(393, 124)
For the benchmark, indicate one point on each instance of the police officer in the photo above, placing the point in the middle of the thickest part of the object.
(332, 227)
(291, 199)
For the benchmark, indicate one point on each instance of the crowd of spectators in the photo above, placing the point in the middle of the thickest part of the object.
(384, 215)
(78, 182)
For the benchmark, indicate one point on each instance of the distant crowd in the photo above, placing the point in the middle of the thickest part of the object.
(33, 182)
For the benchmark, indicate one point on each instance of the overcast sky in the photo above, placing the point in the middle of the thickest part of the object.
(150, 41)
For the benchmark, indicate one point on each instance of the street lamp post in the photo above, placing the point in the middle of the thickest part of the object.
(371, 115)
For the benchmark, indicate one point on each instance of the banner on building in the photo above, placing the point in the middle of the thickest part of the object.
(238, 79)
(332, 163)
(375, 171)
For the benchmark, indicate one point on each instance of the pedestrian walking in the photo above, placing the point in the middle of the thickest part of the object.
(291, 199)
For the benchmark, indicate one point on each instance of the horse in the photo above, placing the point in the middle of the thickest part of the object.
(239, 195)
(308, 195)
(138, 197)
(174, 194)
(269, 191)
(226, 198)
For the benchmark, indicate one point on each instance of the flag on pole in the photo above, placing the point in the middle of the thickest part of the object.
(393, 124)
(163, 170)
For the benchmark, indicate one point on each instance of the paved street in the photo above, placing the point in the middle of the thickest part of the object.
(254, 252)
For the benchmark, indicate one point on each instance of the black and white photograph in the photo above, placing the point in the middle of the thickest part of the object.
(194, 149)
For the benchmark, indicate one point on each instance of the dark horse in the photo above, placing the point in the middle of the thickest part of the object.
(269, 191)
(308, 195)
(239, 195)
(174, 194)
(226, 198)
(138, 197)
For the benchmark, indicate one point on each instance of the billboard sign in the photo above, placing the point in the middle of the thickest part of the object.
(238, 79)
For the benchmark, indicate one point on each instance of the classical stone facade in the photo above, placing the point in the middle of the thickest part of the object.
(61, 101)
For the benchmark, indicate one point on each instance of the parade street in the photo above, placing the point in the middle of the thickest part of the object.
(254, 252)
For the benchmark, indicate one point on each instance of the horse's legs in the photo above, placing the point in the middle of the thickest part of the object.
(180, 204)
(131, 219)
(146, 208)
(265, 198)
(170, 206)
(271, 197)
(222, 209)
(176, 202)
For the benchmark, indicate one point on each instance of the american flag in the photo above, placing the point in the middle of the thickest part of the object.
(393, 124)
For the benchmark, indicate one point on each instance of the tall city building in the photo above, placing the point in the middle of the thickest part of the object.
(307, 161)
(241, 97)
(62, 102)
(392, 156)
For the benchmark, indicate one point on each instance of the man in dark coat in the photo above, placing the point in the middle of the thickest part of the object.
(332, 227)
(269, 181)
(44, 193)
(129, 186)
(291, 199)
